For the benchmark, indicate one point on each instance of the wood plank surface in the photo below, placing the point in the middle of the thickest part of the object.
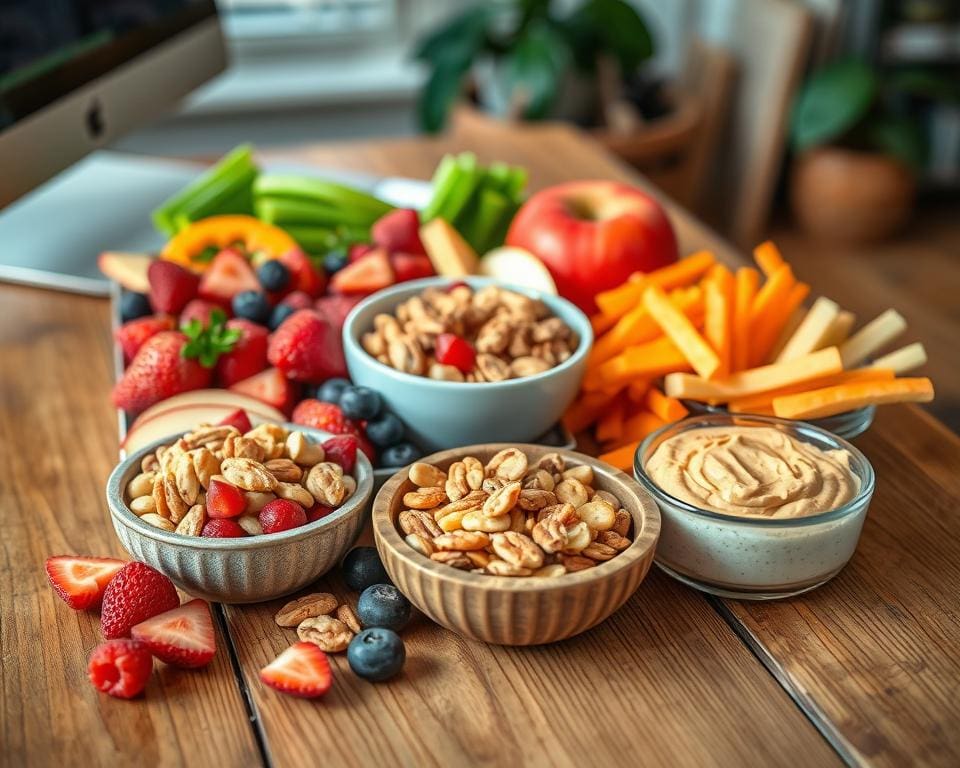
(58, 443)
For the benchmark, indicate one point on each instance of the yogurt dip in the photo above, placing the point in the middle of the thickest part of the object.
(754, 507)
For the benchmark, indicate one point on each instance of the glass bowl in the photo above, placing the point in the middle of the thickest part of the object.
(755, 558)
(847, 425)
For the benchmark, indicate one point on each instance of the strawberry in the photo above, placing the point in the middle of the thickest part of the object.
(318, 512)
(238, 419)
(281, 515)
(171, 286)
(325, 416)
(369, 274)
(410, 266)
(301, 670)
(456, 351)
(307, 348)
(222, 528)
(248, 356)
(303, 275)
(342, 450)
(135, 594)
(399, 231)
(224, 500)
(120, 667)
(336, 308)
(271, 387)
(358, 250)
(131, 335)
(80, 581)
(199, 309)
(227, 275)
(298, 300)
(183, 637)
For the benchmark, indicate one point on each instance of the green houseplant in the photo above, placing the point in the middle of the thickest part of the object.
(533, 50)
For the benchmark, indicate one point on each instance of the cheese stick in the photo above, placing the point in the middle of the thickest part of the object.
(873, 336)
(842, 325)
(810, 333)
(904, 359)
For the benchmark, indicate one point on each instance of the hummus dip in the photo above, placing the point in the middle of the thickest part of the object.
(752, 472)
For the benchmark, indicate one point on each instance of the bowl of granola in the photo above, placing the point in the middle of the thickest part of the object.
(469, 361)
(515, 544)
(240, 518)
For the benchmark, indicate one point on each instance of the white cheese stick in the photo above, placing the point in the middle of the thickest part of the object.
(873, 336)
(840, 330)
(902, 360)
(788, 330)
(810, 333)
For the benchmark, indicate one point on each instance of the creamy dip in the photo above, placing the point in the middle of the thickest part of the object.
(752, 472)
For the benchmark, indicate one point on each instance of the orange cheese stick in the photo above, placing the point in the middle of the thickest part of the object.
(667, 408)
(771, 325)
(764, 401)
(847, 397)
(618, 301)
(622, 457)
(644, 361)
(768, 258)
(610, 424)
(718, 320)
(681, 331)
(745, 289)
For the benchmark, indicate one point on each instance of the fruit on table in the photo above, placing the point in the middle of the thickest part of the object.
(517, 266)
(128, 269)
(366, 275)
(383, 605)
(342, 450)
(183, 636)
(592, 235)
(282, 515)
(307, 348)
(133, 334)
(120, 667)
(399, 231)
(336, 308)
(400, 455)
(224, 500)
(248, 355)
(376, 654)
(222, 528)
(303, 275)
(81, 581)
(334, 260)
(331, 390)
(278, 314)
(239, 419)
(451, 349)
(251, 305)
(385, 430)
(409, 266)
(199, 309)
(270, 387)
(134, 305)
(363, 568)
(318, 512)
(136, 593)
(227, 275)
(189, 244)
(450, 254)
(171, 286)
(273, 275)
(360, 402)
(301, 670)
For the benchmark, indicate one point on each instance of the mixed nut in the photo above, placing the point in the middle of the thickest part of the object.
(458, 334)
(512, 516)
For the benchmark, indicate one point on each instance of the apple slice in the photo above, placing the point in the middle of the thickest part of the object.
(224, 397)
(128, 269)
(186, 418)
(518, 266)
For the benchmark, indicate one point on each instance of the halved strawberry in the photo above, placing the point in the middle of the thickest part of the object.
(248, 355)
(171, 286)
(336, 308)
(132, 334)
(398, 230)
(228, 274)
(342, 450)
(183, 636)
(80, 581)
(411, 266)
(201, 309)
(301, 670)
(303, 275)
(271, 387)
(369, 274)
(307, 347)
(358, 250)
(238, 419)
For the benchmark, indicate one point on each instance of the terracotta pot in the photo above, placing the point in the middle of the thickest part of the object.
(854, 197)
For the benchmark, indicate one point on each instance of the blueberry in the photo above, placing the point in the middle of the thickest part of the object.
(376, 654)
(252, 305)
(362, 568)
(385, 431)
(383, 605)
(360, 403)
(273, 275)
(400, 455)
(134, 305)
(335, 260)
(279, 313)
(331, 389)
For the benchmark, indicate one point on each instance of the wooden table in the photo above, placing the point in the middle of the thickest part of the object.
(864, 670)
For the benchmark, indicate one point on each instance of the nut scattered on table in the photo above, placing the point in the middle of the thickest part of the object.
(511, 517)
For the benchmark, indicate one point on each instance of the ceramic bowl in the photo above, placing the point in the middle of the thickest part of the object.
(517, 611)
(444, 414)
(245, 570)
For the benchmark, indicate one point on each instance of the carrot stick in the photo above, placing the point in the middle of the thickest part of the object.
(601, 323)
(644, 361)
(745, 289)
(637, 390)
(846, 397)
(765, 400)
(718, 323)
(586, 410)
(610, 424)
(768, 258)
(667, 408)
(772, 324)
(680, 331)
(618, 301)
(622, 457)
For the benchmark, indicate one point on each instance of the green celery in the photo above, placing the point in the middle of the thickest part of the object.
(480, 222)
(317, 190)
(313, 239)
(279, 210)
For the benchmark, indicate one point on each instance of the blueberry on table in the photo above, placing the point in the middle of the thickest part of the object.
(278, 314)
(335, 260)
(273, 275)
(385, 431)
(400, 455)
(383, 605)
(252, 305)
(331, 390)
(360, 403)
(376, 654)
(362, 568)
(134, 305)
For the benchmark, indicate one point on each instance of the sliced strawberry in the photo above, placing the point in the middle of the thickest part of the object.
(306, 347)
(135, 594)
(248, 356)
(80, 581)
(271, 387)
(399, 231)
(303, 275)
(120, 667)
(325, 416)
(301, 670)
(238, 419)
(132, 335)
(227, 275)
(336, 308)
(342, 450)
(200, 309)
(410, 266)
(224, 500)
(183, 636)
(451, 349)
(371, 273)
(358, 250)
(171, 286)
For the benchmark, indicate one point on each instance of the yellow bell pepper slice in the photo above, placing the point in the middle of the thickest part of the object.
(223, 231)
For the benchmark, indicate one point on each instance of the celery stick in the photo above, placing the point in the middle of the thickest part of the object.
(278, 210)
(313, 239)
(317, 190)
(516, 184)
(479, 228)
(468, 177)
(227, 195)
(444, 179)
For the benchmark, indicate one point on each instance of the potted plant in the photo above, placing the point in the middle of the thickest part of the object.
(526, 59)
(857, 151)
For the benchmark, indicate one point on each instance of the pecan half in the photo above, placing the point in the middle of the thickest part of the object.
(509, 464)
(306, 607)
(498, 567)
(477, 521)
(425, 475)
(475, 472)
(325, 483)
(456, 484)
(347, 616)
(461, 541)
(419, 522)
(424, 498)
(285, 470)
(248, 475)
(502, 501)
(517, 549)
(571, 491)
(453, 558)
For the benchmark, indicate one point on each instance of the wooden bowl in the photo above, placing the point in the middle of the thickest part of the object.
(517, 611)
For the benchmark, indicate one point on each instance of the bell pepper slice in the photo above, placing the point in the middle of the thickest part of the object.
(188, 245)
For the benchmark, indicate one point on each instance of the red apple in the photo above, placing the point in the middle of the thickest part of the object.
(592, 235)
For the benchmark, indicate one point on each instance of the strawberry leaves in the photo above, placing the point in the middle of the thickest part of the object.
(206, 344)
